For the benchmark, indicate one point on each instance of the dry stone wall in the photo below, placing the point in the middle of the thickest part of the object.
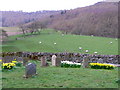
(75, 57)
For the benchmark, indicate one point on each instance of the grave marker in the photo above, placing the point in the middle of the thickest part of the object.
(30, 70)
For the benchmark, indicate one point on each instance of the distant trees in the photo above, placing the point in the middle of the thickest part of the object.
(3, 35)
(32, 28)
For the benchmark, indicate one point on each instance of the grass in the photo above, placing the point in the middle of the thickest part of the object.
(69, 43)
(57, 77)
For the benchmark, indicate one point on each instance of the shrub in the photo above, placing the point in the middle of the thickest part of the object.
(19, 64)
(101, 66)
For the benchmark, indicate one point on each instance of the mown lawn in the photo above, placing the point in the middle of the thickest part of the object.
(66, 43)
(57, 77)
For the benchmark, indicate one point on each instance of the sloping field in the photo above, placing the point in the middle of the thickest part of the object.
(51, 41)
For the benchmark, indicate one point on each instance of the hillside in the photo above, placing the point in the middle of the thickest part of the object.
(100, 19)
(45, 42)
(15, 18)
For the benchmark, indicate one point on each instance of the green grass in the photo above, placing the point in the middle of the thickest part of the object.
(69, 43)
(57, 77)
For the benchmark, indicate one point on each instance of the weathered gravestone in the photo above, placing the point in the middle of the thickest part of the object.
(85, 62)
(30, 70)
(56, 60)
(43, 61)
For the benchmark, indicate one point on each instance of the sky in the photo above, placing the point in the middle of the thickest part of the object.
(38, 5)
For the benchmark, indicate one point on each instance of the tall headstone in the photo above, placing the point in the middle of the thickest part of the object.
(30, 70)
(43, 61)
(56, 60)
(85, 62)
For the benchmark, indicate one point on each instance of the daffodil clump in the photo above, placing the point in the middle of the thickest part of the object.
(101, 66)
(68, 64)
(8, 65)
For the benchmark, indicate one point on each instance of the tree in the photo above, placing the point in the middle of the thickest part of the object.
(3, 35)
(36, 26)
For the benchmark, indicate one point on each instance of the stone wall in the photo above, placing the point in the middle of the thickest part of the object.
(75, 57)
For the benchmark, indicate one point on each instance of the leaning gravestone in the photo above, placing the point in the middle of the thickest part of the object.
(30, 70)
(85, 62)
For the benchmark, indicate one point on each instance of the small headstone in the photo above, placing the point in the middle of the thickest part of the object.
(85, 62)
(30, 70)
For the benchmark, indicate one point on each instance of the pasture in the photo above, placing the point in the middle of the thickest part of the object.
(51, 41)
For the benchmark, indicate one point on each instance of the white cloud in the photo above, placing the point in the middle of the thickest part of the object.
(36, 5)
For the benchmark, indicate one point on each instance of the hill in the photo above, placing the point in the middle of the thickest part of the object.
(100, 19)
(51, 41)
(15, 18)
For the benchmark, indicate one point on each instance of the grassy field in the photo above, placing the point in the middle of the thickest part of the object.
(57, 77)
(69, 43)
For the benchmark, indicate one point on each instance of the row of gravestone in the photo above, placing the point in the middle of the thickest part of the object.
(30, 69)
(76, 57)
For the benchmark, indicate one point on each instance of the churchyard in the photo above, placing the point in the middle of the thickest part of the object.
(40, 71)
(56, 60)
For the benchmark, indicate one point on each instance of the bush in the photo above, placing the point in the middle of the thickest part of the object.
(101, 66)
(18, 64)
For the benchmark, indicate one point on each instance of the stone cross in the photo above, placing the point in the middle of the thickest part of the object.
(30, 70)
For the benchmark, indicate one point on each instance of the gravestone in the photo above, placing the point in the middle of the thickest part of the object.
(30, 70)
(43, 61)
(56, 60)
(85, 62)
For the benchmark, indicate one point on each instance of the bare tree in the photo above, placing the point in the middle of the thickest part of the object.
(3, 35)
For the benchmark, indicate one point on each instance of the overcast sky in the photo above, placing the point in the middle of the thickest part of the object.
(37, 5)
